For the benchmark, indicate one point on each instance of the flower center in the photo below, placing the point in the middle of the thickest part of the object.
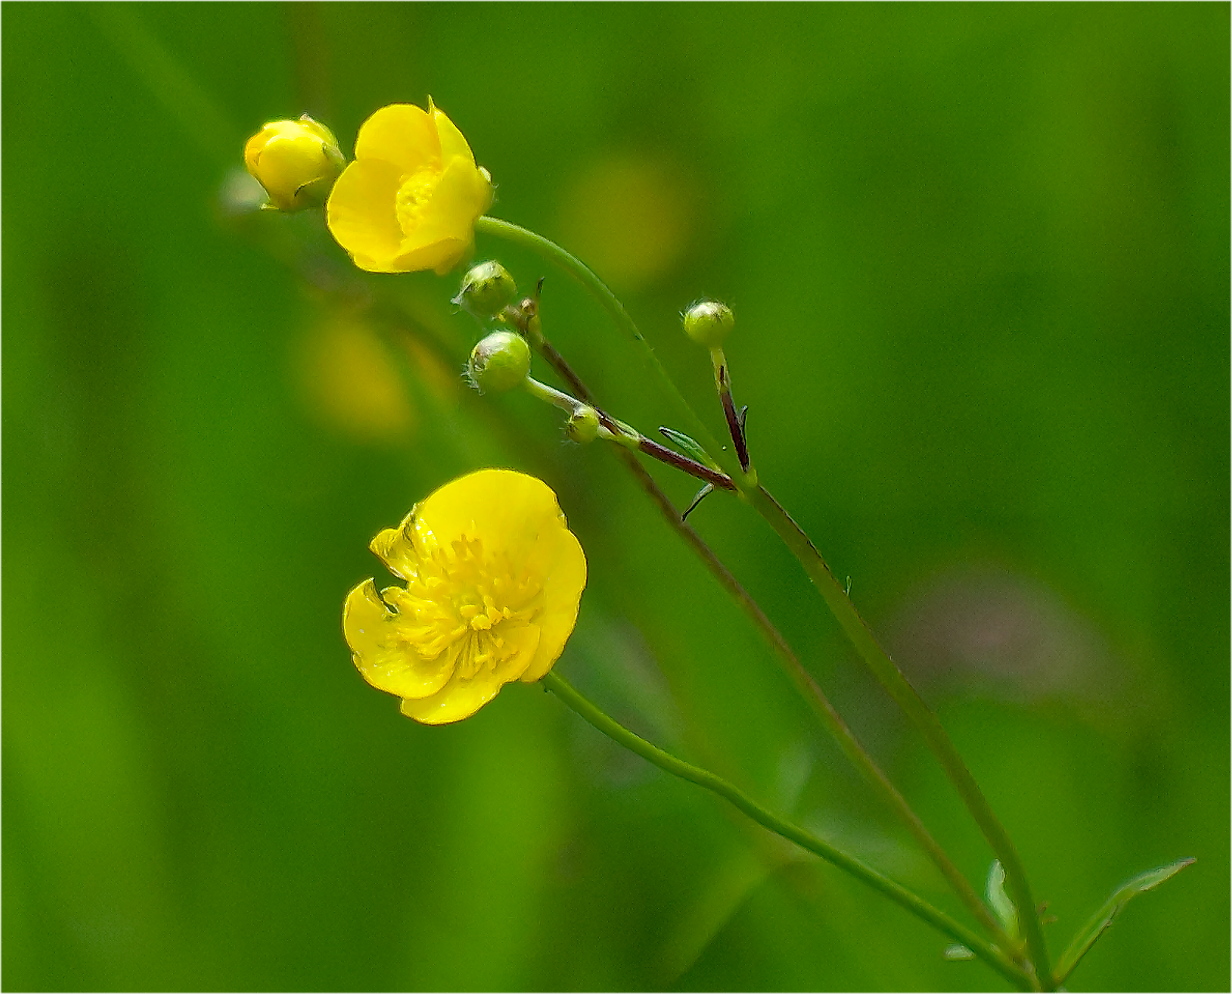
(467, 603)
(413, 196)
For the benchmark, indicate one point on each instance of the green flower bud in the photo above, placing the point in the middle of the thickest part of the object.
(499, 362)
(487, 289)
(583, 425)
(709, 323)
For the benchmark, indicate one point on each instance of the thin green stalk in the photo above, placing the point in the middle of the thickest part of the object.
(550, 395)
(853, 625)
(582, 273)
(905, 898)
(920, 715)
(816, 698)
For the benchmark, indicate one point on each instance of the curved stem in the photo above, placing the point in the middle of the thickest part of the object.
(580, 272)
(853, 625)
(920, 715)
(991, 955)
(812, 693)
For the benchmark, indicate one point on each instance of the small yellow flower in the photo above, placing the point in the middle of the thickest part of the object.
(493, 580)
(410, 199)
(296, 161)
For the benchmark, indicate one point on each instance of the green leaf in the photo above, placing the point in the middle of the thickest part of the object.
(1096, 927)
(689, 447)
(999, 900)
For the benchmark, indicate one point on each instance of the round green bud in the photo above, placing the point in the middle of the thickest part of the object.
(709, 323)
(583, 425)
(499, 362)
(487, 289)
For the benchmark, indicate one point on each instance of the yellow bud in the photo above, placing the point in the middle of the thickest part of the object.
(296, 161)
(708, 322)
(499, 362)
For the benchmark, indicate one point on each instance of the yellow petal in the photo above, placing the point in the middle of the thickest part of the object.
(461, 195)
(562, 592)
(460, 697)
(382, 654)
(452, 142)
(361, 214)
(440, 256)
(448, 262)
(402, 134)
(394, 548)
(507, 510)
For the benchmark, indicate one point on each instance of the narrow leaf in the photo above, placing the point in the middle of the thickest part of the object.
(999, 900)
(688, 446)
(701, 495)
(1099, 924)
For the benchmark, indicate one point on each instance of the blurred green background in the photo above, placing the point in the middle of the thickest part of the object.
(979, 260)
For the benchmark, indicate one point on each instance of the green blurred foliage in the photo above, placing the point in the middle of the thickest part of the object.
(979, 260)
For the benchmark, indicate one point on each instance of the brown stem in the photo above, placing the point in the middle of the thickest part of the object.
(690, 466)
(644, 444)
(735, 426)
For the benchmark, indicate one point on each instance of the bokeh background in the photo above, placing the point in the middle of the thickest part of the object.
(979, 260)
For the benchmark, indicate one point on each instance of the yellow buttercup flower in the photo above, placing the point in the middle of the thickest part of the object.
(296, 162)
(493, 580)
(410, 199)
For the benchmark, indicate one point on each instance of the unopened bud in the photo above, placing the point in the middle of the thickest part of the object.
(499, 362)
(583, 425)
(709, 323)
(296, 161)
(487, 289)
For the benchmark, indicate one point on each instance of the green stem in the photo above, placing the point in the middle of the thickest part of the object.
(793, 833)
(550, 395)
(853, 625)
(812, 693)
(920, 715)
(579, 271)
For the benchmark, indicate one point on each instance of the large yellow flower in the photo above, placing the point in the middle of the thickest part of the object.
(493, 580)
(410, 199)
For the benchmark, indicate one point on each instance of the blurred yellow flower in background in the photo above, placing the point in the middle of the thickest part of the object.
(493, 580)
(632, 216)
(410, 199)
(296, 161)
(348, 379)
